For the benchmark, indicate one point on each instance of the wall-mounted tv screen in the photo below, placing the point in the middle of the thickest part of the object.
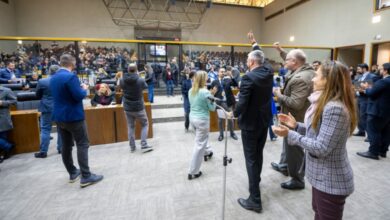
(158, 50)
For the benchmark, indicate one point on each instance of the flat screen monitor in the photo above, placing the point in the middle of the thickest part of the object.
(158, 50)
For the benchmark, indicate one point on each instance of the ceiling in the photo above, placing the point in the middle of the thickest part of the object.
(249, 3)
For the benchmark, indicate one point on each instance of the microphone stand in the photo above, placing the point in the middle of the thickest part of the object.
(226, 160)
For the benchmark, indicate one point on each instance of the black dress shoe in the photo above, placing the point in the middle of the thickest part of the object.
(220, 138)
(194, 176)
(208, 156)
(40, 155)
(277, 167)
(234, 136)
(368, 154)
(382, 155)
(293, 185)
(250, 205)
(359, 134)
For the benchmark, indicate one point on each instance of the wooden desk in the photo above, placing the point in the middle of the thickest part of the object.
(108, 124)
(214, 118)
(121, 124)
(214, 122)
(118, 97)
(25, 134)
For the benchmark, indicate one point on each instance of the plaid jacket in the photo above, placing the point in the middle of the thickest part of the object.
(327, 165)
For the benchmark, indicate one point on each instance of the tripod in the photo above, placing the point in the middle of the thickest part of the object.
(222, 114)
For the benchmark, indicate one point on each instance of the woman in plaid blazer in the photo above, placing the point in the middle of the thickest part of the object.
(328, 123)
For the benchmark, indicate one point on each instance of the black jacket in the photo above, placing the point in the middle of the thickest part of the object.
(217, 83)
(227, 84)
(379, 98)
(253, 107)
(132, 86)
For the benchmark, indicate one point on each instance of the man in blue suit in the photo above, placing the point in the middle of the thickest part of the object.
(378, 123)
(46, 108)
(68, 112)
(8, 74)
(366, 76)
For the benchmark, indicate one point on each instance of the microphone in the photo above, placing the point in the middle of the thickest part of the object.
(213, 99)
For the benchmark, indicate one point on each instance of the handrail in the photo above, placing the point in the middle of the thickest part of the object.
(108, 40)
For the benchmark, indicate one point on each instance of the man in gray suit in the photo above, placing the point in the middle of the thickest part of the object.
(7, 98)
(293, 99)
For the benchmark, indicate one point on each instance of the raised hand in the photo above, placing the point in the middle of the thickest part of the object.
(251, 37)
(287, 120)
(277, 46)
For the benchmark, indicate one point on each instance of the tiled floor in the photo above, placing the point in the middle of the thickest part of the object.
(154, 185)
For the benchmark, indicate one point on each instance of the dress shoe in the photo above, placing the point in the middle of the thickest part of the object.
(368, 154)
(382, 155)
(92, 179)
(40, 155)
(208, 156)
(359, 134)
(277, 167)
(248, 204)
(220, 138)
(74, 176)
(234, 136)
(194, 176)
(293, 185)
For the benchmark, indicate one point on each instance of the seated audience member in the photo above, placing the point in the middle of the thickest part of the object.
(329, 121)
(7, 98)
(200, 121)
(103, 95)
(378, 121)
(133, 103)
(46, 108)
(8, 74)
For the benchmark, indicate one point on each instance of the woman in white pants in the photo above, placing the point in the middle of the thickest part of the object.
(200, 120)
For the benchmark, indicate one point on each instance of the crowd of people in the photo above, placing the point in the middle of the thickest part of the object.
(321, 105)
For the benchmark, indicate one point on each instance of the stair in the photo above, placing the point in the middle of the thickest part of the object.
(167, 109)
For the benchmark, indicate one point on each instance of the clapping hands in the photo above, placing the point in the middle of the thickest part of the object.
(287, 122)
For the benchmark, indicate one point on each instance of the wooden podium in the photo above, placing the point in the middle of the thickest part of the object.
(25, 134)
(108, 124)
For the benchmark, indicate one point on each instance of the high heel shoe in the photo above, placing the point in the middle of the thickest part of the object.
(209, 156)
(194, 176)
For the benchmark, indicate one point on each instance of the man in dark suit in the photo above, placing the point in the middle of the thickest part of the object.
(366, 76)
(219, 86)
(378, 121)
(7, 98)
(68, 112)
(254, 114)
(46, 108)
(8, 74)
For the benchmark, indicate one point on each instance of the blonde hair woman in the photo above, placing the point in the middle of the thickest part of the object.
(200, 120)
(103, 95)
(329, 121)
